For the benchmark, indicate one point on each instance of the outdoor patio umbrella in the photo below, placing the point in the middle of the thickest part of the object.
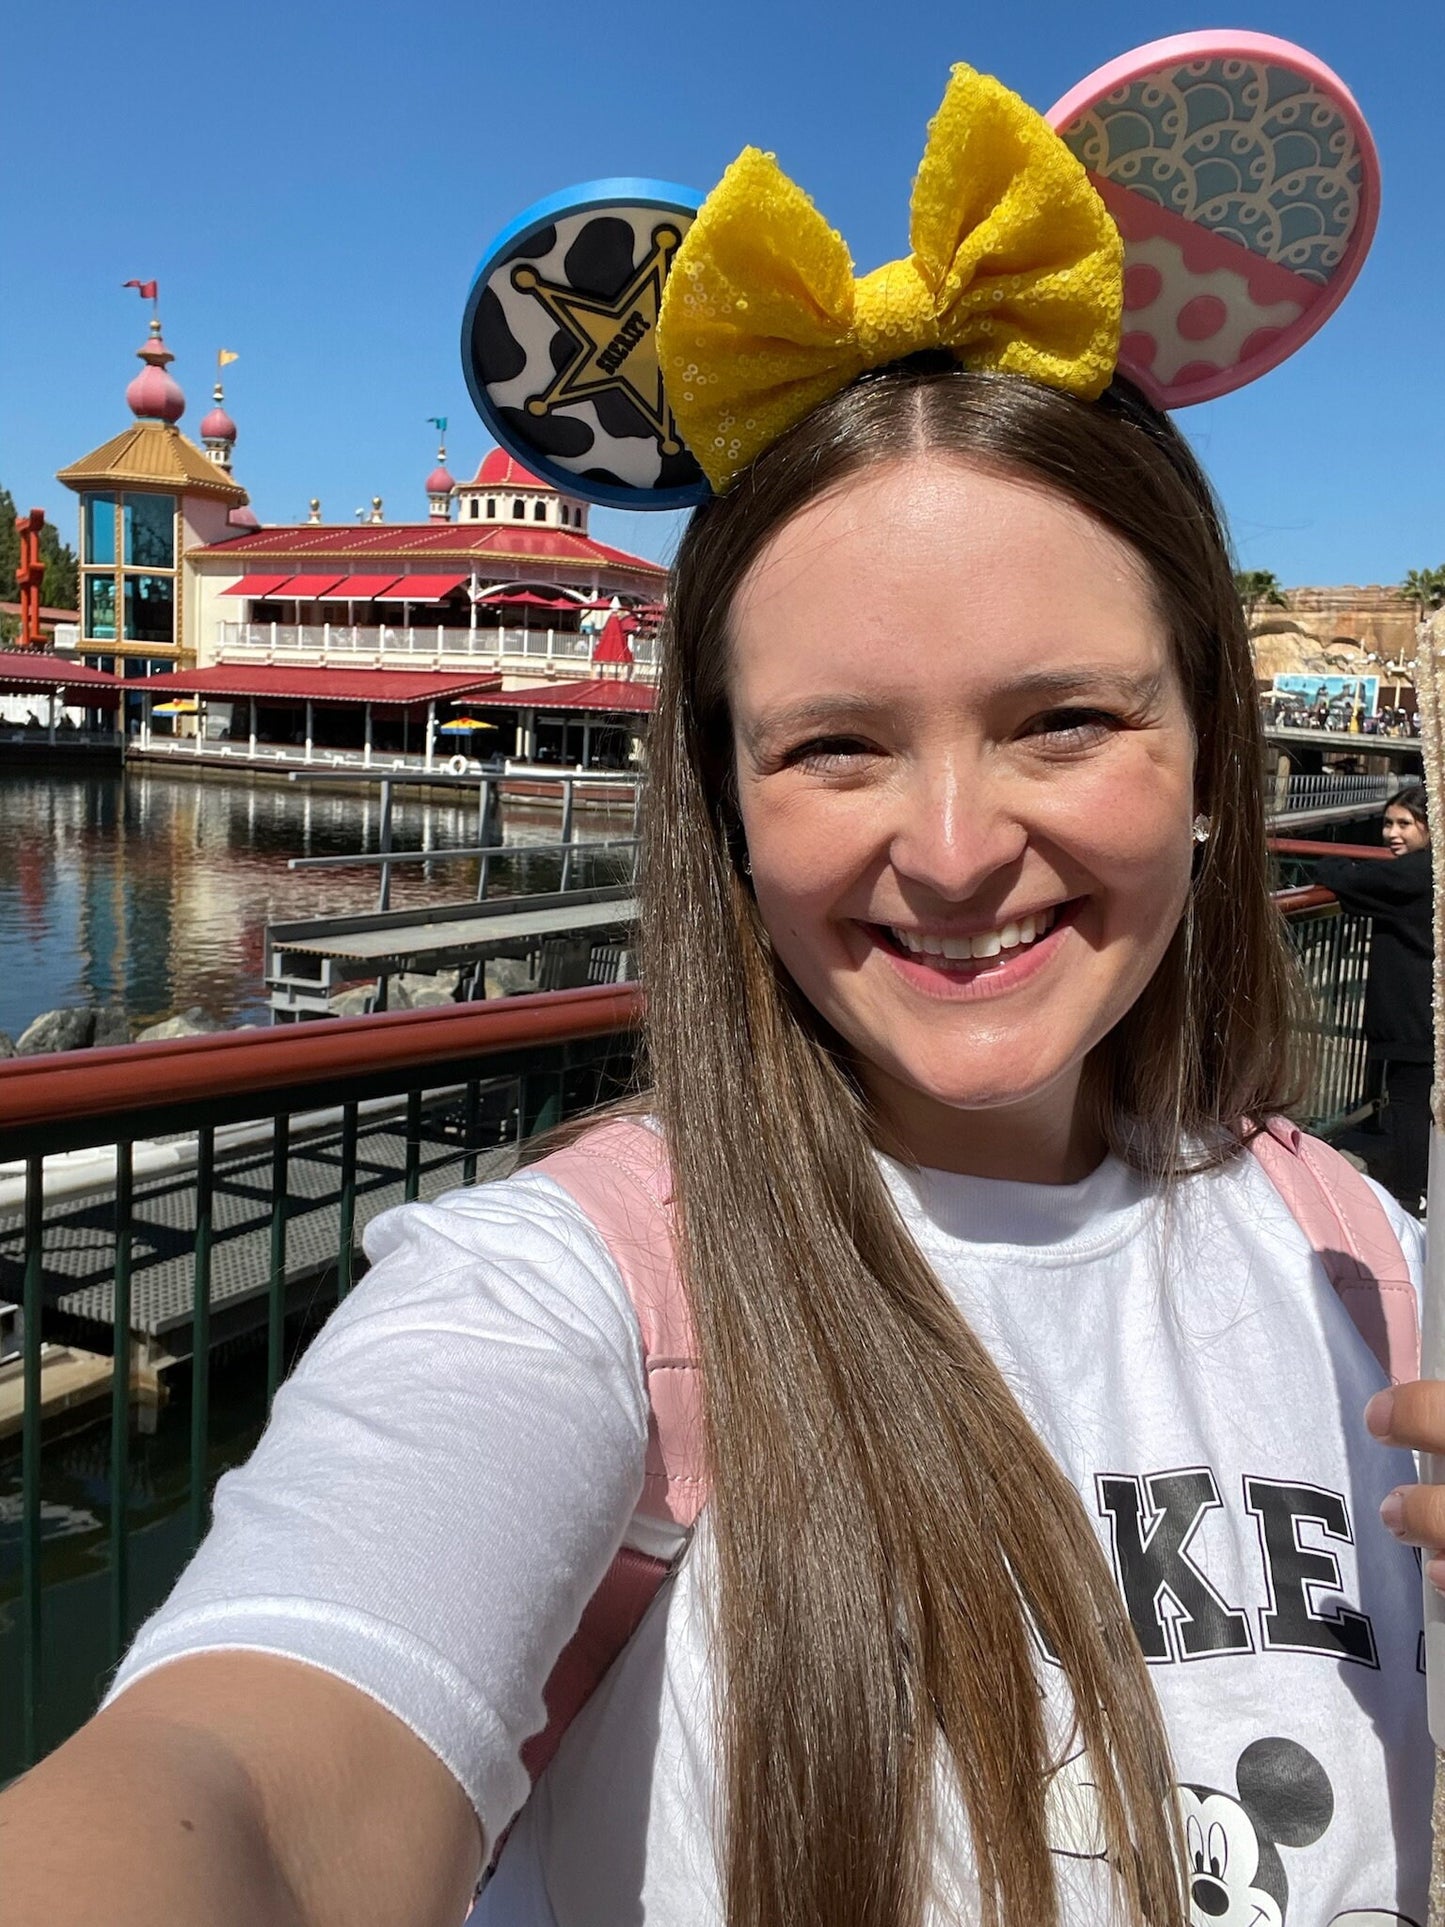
(463, 725)
(177, 706)
(524, 600)
(612, 645)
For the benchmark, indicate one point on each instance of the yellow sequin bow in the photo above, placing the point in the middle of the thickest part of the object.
(1015, 267)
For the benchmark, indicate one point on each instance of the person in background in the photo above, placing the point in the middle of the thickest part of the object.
(1398, 1022)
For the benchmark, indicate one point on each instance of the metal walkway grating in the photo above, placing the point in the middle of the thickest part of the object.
(79, 1245)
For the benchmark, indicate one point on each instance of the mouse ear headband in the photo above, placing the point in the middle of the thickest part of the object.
(1188, 215)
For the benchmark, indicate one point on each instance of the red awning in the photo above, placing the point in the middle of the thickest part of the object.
(421, 588)
(255, 585)
(359, 588)
(40, 668)
(598, 693)
(306, 588)
(25, 672)
(401, 688)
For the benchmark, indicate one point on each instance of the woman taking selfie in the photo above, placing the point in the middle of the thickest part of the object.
(939, 1353)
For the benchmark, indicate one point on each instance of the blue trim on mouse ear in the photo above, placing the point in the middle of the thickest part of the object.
(559, 343)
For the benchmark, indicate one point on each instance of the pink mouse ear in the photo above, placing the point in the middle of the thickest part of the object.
(1244, 181)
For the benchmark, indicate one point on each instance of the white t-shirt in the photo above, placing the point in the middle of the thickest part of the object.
(451, 1468)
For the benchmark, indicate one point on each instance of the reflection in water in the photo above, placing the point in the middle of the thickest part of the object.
(153, 891)
(75, 1543)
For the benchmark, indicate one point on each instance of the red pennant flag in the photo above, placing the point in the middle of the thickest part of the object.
(145, 289)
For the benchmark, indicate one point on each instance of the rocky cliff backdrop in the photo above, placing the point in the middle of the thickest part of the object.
(1344, 631)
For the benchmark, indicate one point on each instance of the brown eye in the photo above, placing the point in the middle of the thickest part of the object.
(1073, 728)
(827, 753)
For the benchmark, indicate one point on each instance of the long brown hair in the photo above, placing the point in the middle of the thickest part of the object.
(894, 1542)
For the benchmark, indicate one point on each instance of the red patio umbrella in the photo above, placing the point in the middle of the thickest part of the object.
(524, 598)
(612, 644)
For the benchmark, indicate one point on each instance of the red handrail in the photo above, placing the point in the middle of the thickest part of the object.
(1307, 896)
(265, 1063)
(121, 1078)
(1301, 846)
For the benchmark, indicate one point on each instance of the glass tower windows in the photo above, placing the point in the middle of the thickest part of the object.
(150, 531)
(100, 607)
(150, 608)
(129, 561)
(98, 512)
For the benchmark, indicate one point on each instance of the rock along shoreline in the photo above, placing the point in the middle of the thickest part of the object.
(97, 1026)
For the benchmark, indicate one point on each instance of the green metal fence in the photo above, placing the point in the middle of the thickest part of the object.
(1333, 950)
(174, 1221)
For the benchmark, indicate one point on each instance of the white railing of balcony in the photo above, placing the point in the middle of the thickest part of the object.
(242, 640)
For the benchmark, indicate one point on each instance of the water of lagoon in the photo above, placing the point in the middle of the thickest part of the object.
(153, 891)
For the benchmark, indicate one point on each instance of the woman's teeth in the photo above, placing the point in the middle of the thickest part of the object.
(988, 943)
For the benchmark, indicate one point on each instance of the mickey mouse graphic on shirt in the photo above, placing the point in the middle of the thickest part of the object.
(1237, 1876)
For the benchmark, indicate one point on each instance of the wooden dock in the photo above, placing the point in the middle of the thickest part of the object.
(308, 961)
(75, 1390)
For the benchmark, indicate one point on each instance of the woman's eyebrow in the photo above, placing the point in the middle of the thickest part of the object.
(1138, 689)
(812, 712)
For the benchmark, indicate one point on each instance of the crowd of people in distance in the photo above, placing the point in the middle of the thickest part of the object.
(1290, 712)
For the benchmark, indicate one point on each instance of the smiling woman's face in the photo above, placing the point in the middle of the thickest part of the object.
(965, 773)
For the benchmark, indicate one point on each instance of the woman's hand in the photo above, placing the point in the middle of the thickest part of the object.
(1414, 1416)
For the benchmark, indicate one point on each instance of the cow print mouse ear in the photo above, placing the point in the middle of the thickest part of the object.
(559, 343)
(1244, 181)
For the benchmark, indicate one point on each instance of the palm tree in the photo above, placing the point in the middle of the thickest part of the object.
(1426, 589)
(1258, 588)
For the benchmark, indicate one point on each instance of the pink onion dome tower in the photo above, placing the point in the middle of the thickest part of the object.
(155, 395)
(218, 431)
(440, 488)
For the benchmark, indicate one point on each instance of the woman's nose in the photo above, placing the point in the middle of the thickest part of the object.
(955, 829)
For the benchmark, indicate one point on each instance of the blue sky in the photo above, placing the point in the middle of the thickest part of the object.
(313, 186)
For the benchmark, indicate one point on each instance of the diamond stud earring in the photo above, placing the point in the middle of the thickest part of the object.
(1200, 828)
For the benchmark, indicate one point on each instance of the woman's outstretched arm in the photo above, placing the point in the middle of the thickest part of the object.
(239, 1790)
(444, 1481)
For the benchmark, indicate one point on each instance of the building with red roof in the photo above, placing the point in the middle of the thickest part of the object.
(502, 576)
(516, 575)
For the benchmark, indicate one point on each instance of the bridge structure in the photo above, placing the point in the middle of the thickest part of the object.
(1313, 751)
(1314, 800)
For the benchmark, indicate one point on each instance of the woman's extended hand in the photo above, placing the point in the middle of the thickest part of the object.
(1414, 1416)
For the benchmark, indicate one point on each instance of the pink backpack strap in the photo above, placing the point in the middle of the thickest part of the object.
(1350, 1232)
(618, 1175)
